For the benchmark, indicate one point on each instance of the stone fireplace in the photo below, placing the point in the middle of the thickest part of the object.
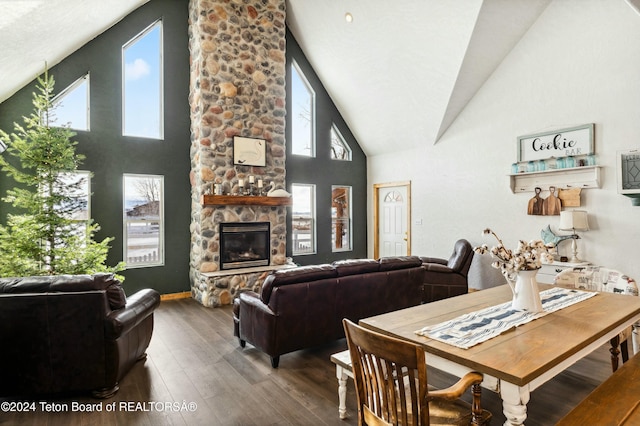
(237, 88)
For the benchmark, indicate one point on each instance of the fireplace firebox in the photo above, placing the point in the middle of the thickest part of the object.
(244, 244)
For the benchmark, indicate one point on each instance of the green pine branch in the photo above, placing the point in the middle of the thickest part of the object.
(44, 239)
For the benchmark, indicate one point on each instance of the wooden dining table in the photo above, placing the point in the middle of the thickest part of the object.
(521, 359)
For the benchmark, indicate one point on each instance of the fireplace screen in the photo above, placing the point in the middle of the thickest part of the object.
(244, 245)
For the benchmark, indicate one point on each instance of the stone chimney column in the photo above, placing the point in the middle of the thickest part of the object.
(237, 88)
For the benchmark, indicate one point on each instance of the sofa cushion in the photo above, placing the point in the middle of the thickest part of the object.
(399, 262)
(295, 275)
(355, 266)
(67, 283)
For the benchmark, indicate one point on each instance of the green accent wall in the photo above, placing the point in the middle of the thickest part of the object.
(109, 155)
(324, 172)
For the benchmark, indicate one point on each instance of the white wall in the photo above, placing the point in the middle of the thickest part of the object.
(578, 64)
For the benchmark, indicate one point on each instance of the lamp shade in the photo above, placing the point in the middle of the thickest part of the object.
(574, 220)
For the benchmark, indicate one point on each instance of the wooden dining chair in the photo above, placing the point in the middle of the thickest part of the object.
(391, 385)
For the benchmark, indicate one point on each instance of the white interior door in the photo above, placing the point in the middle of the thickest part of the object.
(393, 233)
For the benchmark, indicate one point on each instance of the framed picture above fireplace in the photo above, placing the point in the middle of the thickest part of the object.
(249, 151)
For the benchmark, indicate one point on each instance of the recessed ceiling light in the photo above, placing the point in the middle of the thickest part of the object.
(348, 17)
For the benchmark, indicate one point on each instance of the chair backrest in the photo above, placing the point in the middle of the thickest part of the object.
(460, 260)
(390, 377)
(597, 278)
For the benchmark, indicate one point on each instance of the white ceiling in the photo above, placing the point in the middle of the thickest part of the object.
(35, 32)
(400, 73)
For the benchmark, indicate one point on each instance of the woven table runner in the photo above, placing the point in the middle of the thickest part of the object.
(470, 329)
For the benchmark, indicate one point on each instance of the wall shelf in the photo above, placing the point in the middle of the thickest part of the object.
(243, 200)
(570, 178)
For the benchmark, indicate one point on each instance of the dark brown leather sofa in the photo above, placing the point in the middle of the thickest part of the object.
(303, 307)
(70, 333)
(444, 278)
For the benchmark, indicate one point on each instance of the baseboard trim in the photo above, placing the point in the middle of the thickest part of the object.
(174, 296)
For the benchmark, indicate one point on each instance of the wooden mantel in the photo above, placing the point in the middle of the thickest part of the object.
(242, 200)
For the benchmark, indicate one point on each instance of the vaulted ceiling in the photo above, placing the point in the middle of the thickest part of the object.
(400, 72)
(35, 32)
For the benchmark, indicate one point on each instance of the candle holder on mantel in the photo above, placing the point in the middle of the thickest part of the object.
(252, 180)
(261, 187)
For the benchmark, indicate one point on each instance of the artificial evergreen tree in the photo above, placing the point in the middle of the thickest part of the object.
(45, 239)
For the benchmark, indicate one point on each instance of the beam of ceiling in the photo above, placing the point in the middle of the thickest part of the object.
(635, 5)
(492, 39)
(35, 32)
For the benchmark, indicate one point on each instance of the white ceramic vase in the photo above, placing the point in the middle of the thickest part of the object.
(526, 296)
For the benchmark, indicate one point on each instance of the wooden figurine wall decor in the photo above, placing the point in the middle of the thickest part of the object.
(549, 206)
(535, 204)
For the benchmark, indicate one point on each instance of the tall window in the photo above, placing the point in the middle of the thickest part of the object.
(77, 187)
(142, 109)
(341, 218)
(72, 105)
(303, 101)
(340, 150)
(143, 220)
(303, 218)
(73, 190)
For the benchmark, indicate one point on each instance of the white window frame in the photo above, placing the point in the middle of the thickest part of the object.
(131, 42)
(335, 132)
(59, 98)
(313, 221)
(312, 118)
(126, 221)
(349, 222)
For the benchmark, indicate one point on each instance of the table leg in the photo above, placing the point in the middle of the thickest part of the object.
(615, 351)
(514, 403)
(342, 391)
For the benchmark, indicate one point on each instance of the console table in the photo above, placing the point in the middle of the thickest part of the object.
(549, 270)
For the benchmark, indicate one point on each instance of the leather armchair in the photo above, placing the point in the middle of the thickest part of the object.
(71, 333)
(445, 278)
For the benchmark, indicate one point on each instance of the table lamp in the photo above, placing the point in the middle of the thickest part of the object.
(574, 220)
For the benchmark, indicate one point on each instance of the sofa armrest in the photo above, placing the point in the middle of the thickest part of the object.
(436, 267)
(434, 260)
(252, 301)
(139, 306)
(236, 310)
(257, 323)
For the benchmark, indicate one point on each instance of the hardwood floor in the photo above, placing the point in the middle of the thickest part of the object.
(194, 359)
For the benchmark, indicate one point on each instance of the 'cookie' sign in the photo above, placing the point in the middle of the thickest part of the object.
(558, 143)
